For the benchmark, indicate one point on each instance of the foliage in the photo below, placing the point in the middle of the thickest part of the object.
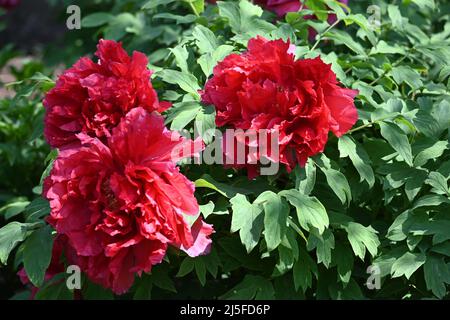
(378, 196)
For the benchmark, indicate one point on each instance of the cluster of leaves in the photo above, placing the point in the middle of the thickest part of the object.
(377, 197)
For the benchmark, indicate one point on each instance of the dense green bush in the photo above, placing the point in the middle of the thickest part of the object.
(377, 197)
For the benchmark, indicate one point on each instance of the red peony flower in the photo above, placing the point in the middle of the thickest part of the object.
(266, 88)
(122, 203)
(92, 97)
(281, 7)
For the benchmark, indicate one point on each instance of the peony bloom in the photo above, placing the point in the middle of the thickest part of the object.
(121, 204)
(266, 88)
(91, 98)
(281, 7)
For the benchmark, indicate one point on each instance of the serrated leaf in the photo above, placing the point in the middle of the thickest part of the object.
(362, 237)
(310, 212)
(407, 264)
(303, 270)
(247, 218)
(437, 274)
(323, 244)
(276, 212)
(205, 124)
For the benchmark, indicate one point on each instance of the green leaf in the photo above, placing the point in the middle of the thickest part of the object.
(198, 5)
(205, 124)
(37, 254)
(310, 212)
(182, 113)
(96, 19)
(154, 3)
(144, 288)
(10, 236)
(343, 257)
(229, 191)
(207, 209)
(430, 153)
(338, 183)
(252, 287)
(247, 218)
(305, 178)
(438, 182)
(92, 291)
(395, 16)
(323, 244)
(319, 9)
(212, 262)
(205, 39)
(55, 289)
(303, 270)
(186, 267)
(349, 148)
(385, 48)
(122, 24)
(181, 56)
(187, 19)
(437, 274)
(362, 237)
(408, 75)
(161, 279)
(37, 209)
(398, 140)
(209, 60)
(442, 248)
(407, 264)
(423, 4)
(285, 261)
(341, 37)
(430, 200)
(186, 81)
(13, 209)
(243, 18)
(276, 212)
(231, 12)
(200, 270)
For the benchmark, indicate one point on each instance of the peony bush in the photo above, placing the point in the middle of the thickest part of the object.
(140, 168)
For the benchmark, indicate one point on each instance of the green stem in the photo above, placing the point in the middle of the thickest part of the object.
(321, 34)
(369, 124)
(193, 8)
(396, 63)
